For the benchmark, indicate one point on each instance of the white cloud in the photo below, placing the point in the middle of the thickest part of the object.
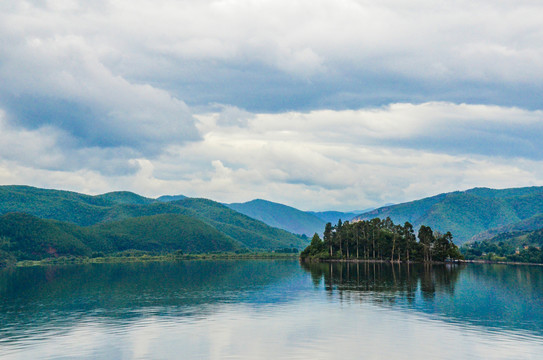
(317, 160)
(177, 44)
(56, 69)
(330, 159)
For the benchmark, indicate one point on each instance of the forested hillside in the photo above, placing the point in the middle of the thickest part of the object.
(66, 223)
(468, 213)
(517, 246)
(26, 237)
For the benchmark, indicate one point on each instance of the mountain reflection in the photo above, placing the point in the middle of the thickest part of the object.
(48, 297)
(52, 300)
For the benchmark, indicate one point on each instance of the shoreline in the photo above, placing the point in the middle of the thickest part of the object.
(229, 256)
(455, 262)
(499, 262)
(150, 258)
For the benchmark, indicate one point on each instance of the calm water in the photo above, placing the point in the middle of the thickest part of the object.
(271, 310)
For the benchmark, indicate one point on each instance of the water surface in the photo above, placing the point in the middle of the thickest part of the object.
(265, 309)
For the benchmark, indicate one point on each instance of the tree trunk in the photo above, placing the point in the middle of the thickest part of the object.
(393, 246)
(357, 245)
(373, 244)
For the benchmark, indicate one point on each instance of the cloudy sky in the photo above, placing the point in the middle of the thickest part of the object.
(318, 104)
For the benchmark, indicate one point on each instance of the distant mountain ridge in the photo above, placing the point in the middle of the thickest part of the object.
(467, 214)
(169, 198)
(289, 218)
(334, 216)
(281, 216)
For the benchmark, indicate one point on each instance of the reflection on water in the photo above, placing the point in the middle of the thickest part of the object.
(50, 296)
(496, 296)
(271, 309)
(383, 281)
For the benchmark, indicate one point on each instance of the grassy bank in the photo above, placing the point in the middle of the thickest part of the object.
(147, 257)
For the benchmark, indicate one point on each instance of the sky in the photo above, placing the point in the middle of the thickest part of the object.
(317, 104)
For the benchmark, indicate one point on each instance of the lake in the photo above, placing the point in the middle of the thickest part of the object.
(271, 309)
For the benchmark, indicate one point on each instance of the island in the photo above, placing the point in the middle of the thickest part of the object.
(381, 240)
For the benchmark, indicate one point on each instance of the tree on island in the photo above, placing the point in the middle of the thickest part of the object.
(327, 237)
(378, 239)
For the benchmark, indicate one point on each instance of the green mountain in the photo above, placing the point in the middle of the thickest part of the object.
(66, 205)
(161, 233)
(281, 216)
(524, 226)
(28, 237)
(25, 236)
(517, 246)
(124, 197)
(252, 233)
(87, 223)
(467, 213)
(519, 238)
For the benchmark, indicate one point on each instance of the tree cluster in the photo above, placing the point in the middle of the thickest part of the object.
(378, 239)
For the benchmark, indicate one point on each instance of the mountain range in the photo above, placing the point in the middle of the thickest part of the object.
(38, 223)
(291, 219)
(474, 214)
(281, 216)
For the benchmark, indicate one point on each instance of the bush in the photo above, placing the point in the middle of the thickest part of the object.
(6, 259)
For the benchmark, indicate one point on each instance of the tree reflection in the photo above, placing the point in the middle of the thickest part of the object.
(384, 282)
